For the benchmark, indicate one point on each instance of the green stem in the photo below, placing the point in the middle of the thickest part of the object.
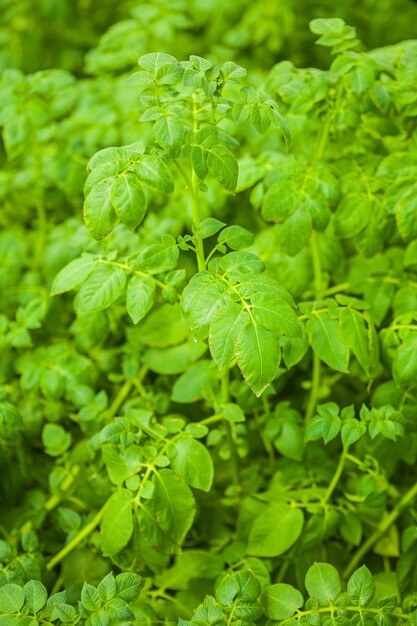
(121, 396)
(315, 387)
(318, 282)
(232, 612)
(266, 443)
(183, 607)
(353, 609)
(127, 268)
(318, 289)
(288, 560)
(336, 477)
(194, 200)
(151, 467)
(385, 524)
(212, 420)
(316, 312)
(192, 184)
(336, 289)
(230, 431)
(196, 221)
(315, 254)
(55, 499)
(58, 585)
(84, 532)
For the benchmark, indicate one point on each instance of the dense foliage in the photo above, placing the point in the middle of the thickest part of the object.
(208, 380)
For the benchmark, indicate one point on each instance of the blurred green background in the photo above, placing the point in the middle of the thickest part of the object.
(104, 36)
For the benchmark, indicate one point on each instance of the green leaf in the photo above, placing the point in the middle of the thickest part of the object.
(121, 464)
(225, 327)
(100, 618)
(55, 439)
(101, 289)
(275, 314)
(410, 256)
(406, 213)
(371, 239)
(210, 226)
(168, 317)
(157, 258)
(118, 609)
(293, 234)
(293, 350)
(239, 592)
(355, 335)
(129, 200)
(241, 112)
(275, 530)
(352, 215)
(199, 63)
(352, 431)
(236, 264)
(235, 237)
(169, 133)
(73, 274)
(153, 173)
(281, 200)
(173, 504)
(232, 71)
(190, 459)
(128, 586)
(194, 384)
(153, 61)
(201, 299)
(280, 122)
(65, 612)
(326, 425)
(323, 583)
(360, 78)
(169, 74)
(140, 296)
(258, 356)
(233, 413)
(361, 587)
(249, 173)
(260, 118)
(210, 612)
(327, 341)
(117, 522)
(12, 598)
(405, 361)
(281, 601)
(222, 165)
(174, 360)
(351, 528)
(99, 214)
(106, 171)
(90, 597)
(323, 26)
(198, 157)
(114, 155)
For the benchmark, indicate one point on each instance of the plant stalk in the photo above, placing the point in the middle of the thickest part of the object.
(336, 476)
(196, 221)
(84, 532)
(318, 283)
(379, 532)
(230, 431)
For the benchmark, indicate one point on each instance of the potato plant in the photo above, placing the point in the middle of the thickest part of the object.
(208, 385)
